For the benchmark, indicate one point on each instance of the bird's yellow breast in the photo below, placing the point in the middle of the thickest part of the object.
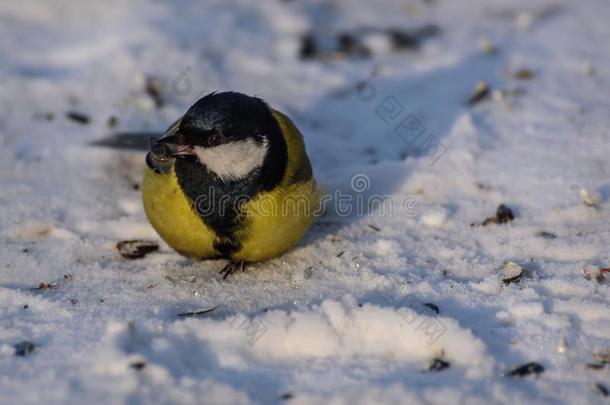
(276, 221)
(173, 217)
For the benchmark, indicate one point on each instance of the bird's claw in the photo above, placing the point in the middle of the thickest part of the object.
(232, 268)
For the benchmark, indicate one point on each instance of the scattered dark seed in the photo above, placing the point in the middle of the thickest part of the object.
(602, 356)
(375, 228)
(511, 280)
(526, 369)
(403, 40)
(112, 122)
(347, 42)
(547, 235)
(514, 271)
(24, 348)
(67, 276)
(135, 187)
(514, 279)
(595, 366)
(600, 277)
(411, 40)
(79, 118)
(287, 396)
(196, 313)
(523, 74)
(349, 45)
(154, 88)
(481, 92)
(152, 286)
(138, 365)
(136, 249)
(74, 301)
(602, 389)
(503, 216)
(26, 306)
(432, 306)
(438, 365)
(341, 253)
(46, 286)
(596, 273)
(26, 250)
(309, 46)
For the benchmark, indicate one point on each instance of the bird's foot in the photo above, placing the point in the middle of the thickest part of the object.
(232, 268)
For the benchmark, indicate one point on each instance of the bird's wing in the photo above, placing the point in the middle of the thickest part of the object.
(174, 127)
(298, 169)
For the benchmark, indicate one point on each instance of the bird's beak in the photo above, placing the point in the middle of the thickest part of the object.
(172, 145)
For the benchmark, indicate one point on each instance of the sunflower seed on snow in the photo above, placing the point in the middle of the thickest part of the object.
(592, 272)
(523, 74)
(481, 92)
(562, 346)
(527, 369)
(511, 273)
(590, 198)
(486, 46)
(136, 249)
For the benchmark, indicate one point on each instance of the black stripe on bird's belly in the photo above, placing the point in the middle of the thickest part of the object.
(218, 202)
(215, 201)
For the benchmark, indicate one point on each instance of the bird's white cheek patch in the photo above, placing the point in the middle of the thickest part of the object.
(233, 160)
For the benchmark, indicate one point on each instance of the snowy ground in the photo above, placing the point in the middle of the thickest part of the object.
(342, 318)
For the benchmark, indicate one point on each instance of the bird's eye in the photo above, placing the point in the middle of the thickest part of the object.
(214, 140)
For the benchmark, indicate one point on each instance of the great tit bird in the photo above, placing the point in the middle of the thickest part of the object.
(230, 179)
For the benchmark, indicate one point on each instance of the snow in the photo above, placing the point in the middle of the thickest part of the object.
(348, 316)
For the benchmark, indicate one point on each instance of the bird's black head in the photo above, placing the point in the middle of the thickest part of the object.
(232, 135)
(220, 118)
